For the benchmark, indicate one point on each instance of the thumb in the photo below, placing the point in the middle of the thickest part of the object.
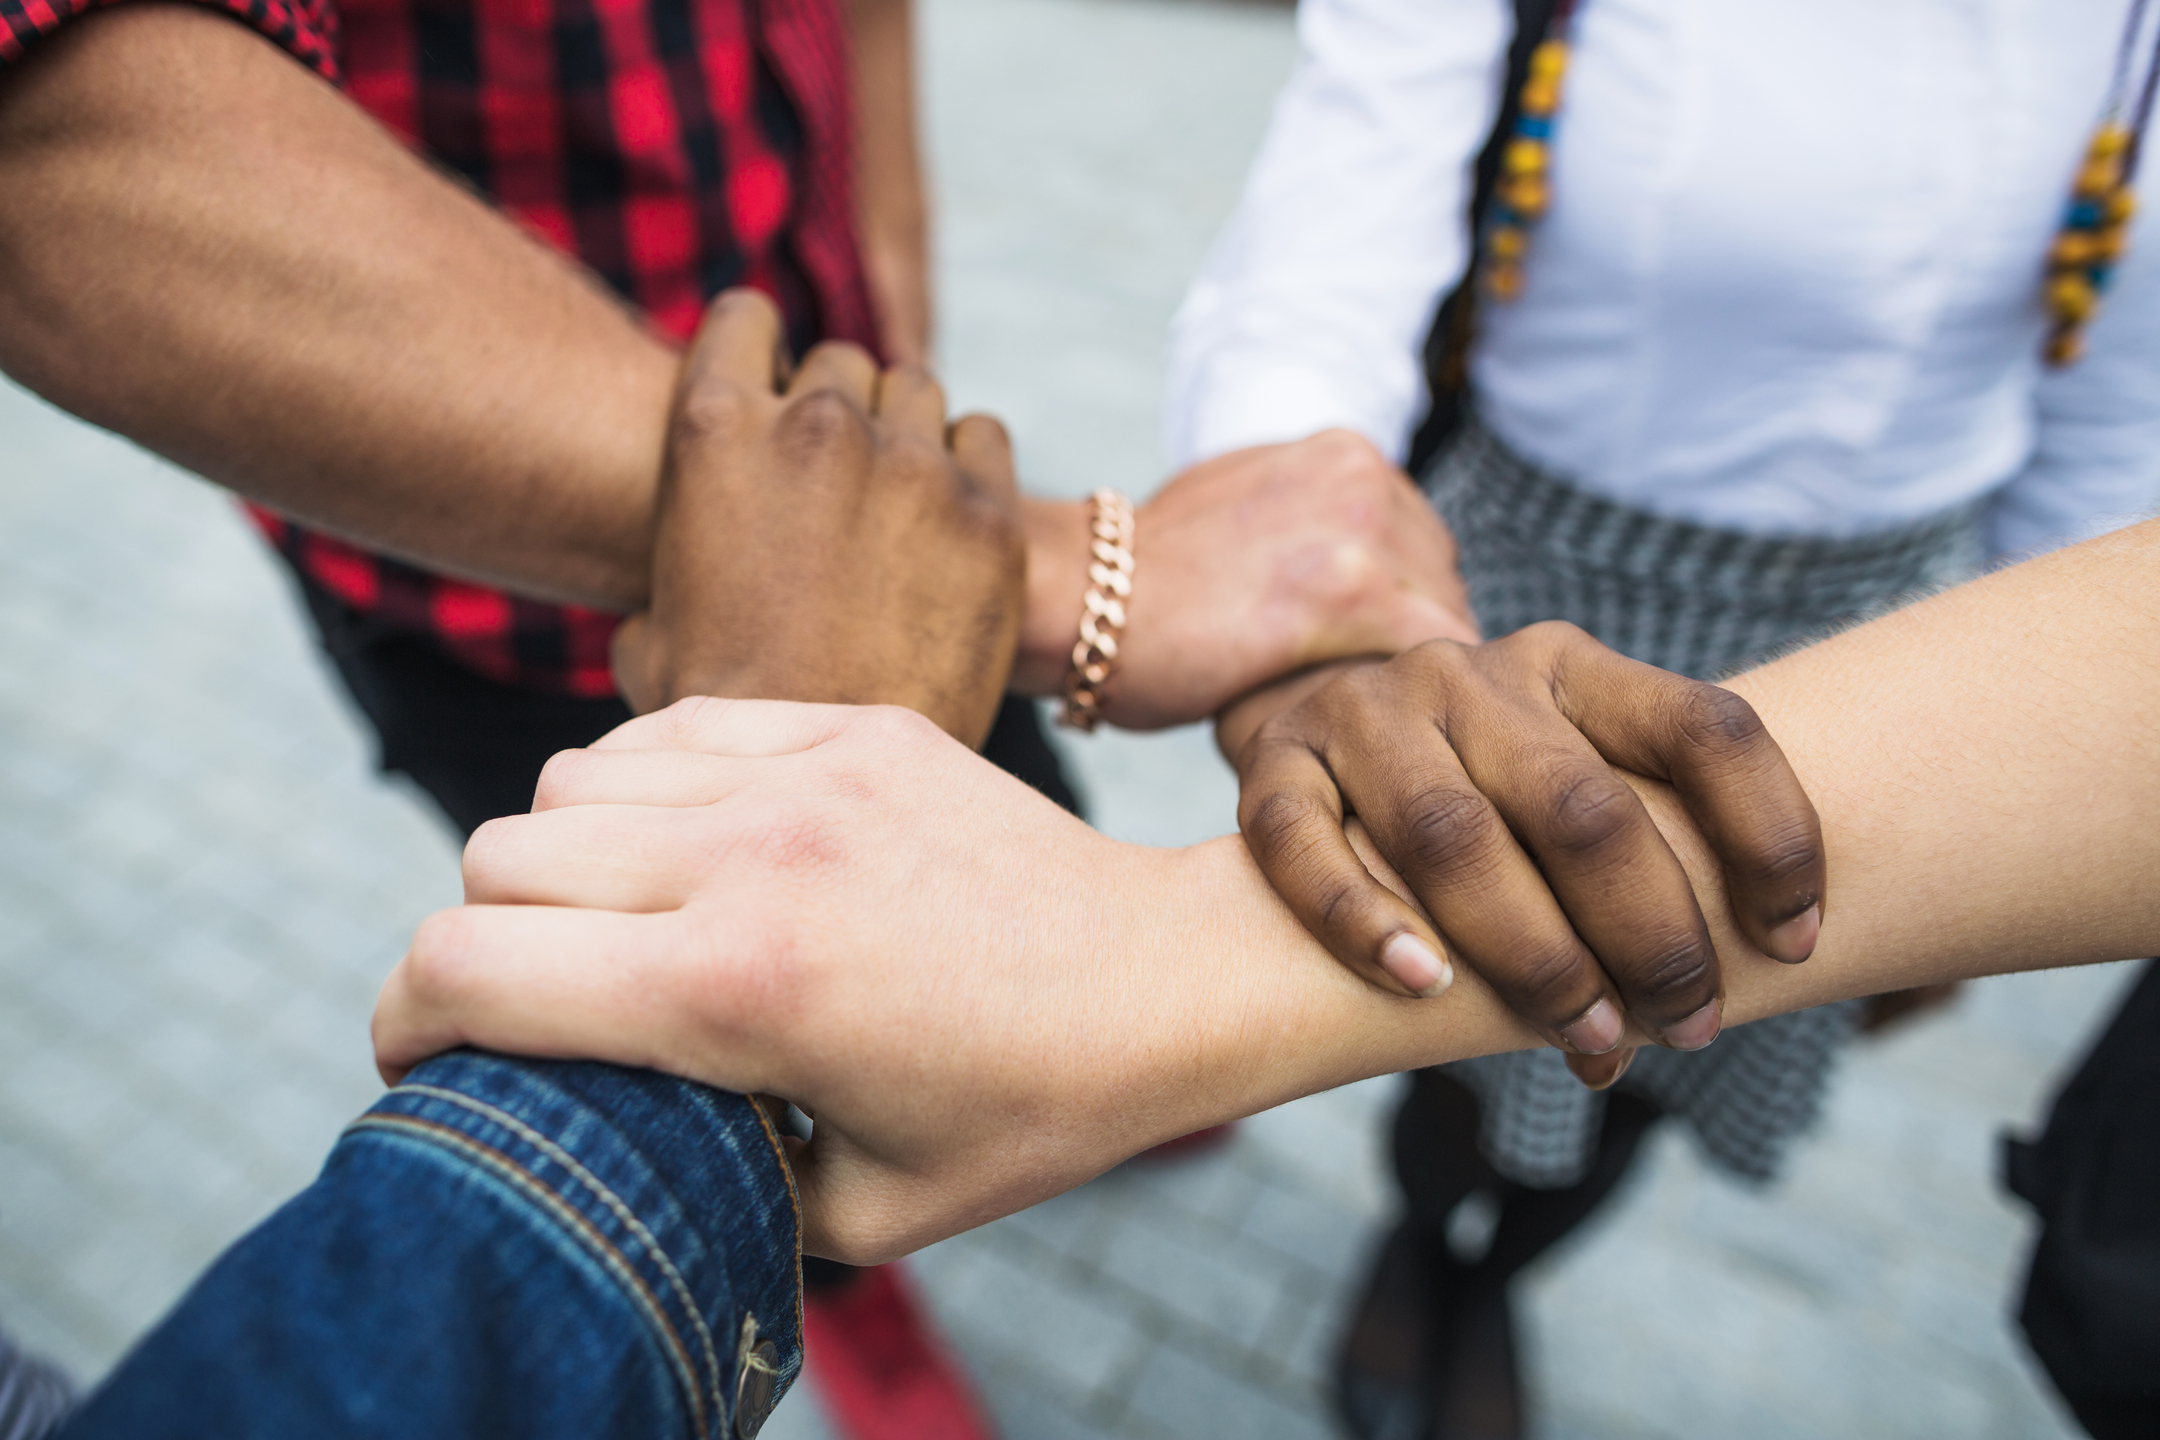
(636, 664)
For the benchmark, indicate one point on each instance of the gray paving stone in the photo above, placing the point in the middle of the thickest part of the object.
(1327, 1237)
(1199, 1274)
(1024, 1411)
(1077, 1224)
(1215, 1186)
(1180, 1395)
(1038, 1318)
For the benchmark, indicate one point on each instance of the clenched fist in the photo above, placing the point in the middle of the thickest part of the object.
(826, 536)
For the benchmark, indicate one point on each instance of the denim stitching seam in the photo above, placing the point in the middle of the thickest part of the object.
(614, 1203)
(607, 1252)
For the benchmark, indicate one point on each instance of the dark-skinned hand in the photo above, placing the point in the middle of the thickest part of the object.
(1486, 775)
(826, 536)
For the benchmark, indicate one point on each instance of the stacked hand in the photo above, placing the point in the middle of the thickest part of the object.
(843, 907)
(1486, 777)
(1250, 566)
(826, 536)
(981, 1000)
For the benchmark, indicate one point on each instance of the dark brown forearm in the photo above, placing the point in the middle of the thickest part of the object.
(208, 250)
(892, 214)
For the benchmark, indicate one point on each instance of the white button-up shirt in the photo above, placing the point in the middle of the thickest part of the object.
(1789, 283)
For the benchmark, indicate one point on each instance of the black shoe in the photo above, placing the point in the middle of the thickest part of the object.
(1430, 1354)
(1379, 1373)
(1479, 1394)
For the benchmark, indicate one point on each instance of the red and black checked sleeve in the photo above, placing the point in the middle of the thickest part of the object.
(305, 29)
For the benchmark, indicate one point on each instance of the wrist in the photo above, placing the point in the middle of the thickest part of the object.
(1057, 556)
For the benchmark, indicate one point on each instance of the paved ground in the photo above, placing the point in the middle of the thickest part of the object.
(201, 885)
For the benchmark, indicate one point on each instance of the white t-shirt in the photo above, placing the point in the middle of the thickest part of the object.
(1789, 284)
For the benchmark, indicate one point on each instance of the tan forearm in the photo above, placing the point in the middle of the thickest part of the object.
(1986, 765)
(892, 214)
(208, 250)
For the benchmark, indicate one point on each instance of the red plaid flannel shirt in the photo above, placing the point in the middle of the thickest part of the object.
(676, 147)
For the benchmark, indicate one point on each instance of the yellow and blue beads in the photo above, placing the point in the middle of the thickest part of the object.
(1523, 191)
(2094, 232)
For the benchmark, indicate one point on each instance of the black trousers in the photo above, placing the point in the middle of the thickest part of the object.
(2091, 1308)
(1438, 1164)
(477, 745)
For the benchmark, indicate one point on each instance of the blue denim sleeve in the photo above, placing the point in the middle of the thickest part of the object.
(499, 1247)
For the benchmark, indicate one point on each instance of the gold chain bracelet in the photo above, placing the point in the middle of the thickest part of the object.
(1102, 612)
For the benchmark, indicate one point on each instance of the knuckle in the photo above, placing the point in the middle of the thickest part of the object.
(843, 352)
(682, 725)
(1794, 852)
(1346, 455)
(714, 409)
(1344, 905)
(1559, 634)
(897, 725)
(824, 419)
(1592, 810)
(1675, 972)
(1714, 721)
(916, 377)
(983, 429)
(1446, 828)
(1438, 664)
(487, 853)
(562, 778)
(1546, 641)
(806, 843)
(744, 300)
(439, 955)
(1549, 978)
(1278, 825)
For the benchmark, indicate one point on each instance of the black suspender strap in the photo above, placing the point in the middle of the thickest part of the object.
(1447, 344)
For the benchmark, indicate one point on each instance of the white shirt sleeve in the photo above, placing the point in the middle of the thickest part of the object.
(2095, 463)
(1312, 307)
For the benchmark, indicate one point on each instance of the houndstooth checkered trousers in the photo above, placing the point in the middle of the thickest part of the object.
(1701, 602)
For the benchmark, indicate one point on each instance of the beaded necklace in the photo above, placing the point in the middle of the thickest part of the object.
(1524, 190)
(2094, 231)
(2096, 224)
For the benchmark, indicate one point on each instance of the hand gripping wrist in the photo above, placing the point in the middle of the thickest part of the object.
(1102, 612)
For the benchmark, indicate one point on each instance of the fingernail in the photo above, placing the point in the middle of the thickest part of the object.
(1698, 1030)
(1416, 966)
(1597, 1032)
(1794, 940)
(1606, 1075)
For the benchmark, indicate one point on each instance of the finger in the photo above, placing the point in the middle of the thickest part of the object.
(528, 980)
(741, 340)
(912, 402)
(1292, 817)
(1733, 777)
(747, 729)
(593, 857)
(1491, 905)
(1624, 891)
(842, 368)
(1601, 1072)
(984, 451)
(637, 777)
